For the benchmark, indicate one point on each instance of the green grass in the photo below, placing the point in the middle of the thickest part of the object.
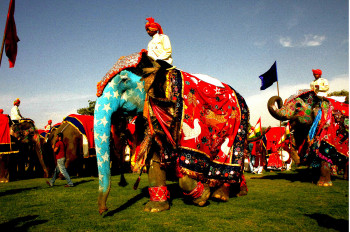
(275, 202)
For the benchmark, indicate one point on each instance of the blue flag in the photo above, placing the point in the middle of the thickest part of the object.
(268, 78)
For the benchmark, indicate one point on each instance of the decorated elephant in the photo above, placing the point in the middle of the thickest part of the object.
(24, 142)
(319, 129)
(196, 127)
(78, 138)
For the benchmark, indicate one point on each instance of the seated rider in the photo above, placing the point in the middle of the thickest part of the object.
(320, 85)
(15, 113)
(48, 126)
(159, 48)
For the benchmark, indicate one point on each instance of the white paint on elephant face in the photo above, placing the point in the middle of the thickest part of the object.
(116, 94)
(104, 138)
(107, 95)
(96, 121)
(104, 121)
(98, 149)
(97, 106)
(107, 107)
(140, 86)
(105, 157)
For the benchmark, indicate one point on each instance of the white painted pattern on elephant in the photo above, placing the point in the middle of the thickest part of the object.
(124, 90)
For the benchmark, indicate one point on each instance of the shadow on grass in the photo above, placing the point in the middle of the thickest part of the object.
(144, 193)
(302, 175)
(329, 222)
(82, 182)
(21, 223)
(15, 191)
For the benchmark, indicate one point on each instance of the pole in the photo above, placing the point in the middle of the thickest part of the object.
(280, 149)
(4, 37)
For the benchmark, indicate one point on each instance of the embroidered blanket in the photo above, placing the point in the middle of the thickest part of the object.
(84, 124)
(4, 129)
(123, 63)
(213, 122)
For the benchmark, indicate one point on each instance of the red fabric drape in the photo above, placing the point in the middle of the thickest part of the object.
(11, 37)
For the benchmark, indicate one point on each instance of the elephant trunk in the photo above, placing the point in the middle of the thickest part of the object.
(102, 135)
(38, 151)
(274, 110)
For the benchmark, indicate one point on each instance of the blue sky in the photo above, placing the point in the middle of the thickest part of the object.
(66, 47)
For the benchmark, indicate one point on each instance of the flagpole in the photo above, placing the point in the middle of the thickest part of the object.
(280, 149)
(4, 37)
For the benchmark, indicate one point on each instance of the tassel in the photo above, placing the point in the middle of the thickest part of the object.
(136, 185)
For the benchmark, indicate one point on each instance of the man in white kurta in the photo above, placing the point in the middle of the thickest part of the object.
(319, 85)
(159, 48)
(15, 114)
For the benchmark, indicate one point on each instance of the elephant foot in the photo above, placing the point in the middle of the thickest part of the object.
(222, 193)
(158, 199)
(102, 210)
(200, 193)
(156, 206)
(324, 183)
(243, 191)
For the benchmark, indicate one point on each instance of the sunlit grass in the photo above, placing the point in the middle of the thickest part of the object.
(275, 202)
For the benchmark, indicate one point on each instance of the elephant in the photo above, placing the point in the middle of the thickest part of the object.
(196, 128)
(25, 142)
(77, 156)
(318, 138)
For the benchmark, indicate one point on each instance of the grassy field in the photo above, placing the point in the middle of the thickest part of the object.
(278, 201)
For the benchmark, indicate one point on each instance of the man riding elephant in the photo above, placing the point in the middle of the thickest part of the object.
(198, 128)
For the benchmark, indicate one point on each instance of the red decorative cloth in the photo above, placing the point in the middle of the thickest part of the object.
(4, 129)
(84, 124)
(197, 191)
(210, 120)
(158, 193)
(274, 134)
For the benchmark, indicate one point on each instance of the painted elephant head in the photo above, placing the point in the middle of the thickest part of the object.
(124, 94)
(300, 108)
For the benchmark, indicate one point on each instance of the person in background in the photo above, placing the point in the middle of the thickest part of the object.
(159, 48)
(15, 113)
(48, 126)
(59, 150)
(320, 85)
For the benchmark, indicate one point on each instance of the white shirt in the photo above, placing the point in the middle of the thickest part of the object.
(323, 87)
(159, 48)
(15, 114)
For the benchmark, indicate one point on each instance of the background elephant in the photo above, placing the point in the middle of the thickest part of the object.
(303, 110)
(76, 164)
(28, 140)
(173, 134)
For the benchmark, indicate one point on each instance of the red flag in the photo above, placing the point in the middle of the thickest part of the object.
(11, 38)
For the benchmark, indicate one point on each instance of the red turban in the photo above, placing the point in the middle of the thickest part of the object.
(1, 111)
(17, 101)
(153, 25)
(49, 122)
(317, 71)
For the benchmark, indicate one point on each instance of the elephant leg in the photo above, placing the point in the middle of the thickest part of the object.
(325, 175)
(195, 189)
(222, 193)
(157, 187)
